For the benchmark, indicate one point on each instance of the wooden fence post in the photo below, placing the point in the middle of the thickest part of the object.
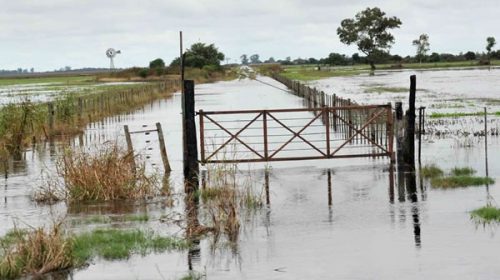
(190, 141)
(130, 147)
(51, 115)
(409, 147)
(163, 149)
(399, 134)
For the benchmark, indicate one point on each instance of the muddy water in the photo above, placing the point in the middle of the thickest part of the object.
(372, 230)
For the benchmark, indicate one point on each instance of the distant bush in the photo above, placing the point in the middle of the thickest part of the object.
(143, 72)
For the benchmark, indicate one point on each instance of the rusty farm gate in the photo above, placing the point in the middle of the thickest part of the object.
(344, 131)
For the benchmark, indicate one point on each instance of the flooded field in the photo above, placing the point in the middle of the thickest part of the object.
(50, 90)
(325, 219)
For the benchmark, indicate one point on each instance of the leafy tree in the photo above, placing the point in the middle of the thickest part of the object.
(244, 59)
(490, 43)
(200, 55)
(422, 44)
(369, 31)
(337, 59)
(157, 63)
(270, 60)
(470, 55)
(434, 57)
(355, 58)
(254, 59)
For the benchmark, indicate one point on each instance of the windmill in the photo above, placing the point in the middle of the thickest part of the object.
(111, 53)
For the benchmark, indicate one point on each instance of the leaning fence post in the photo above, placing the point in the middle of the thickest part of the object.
(163, 149)
(190, 141)
(130, 147)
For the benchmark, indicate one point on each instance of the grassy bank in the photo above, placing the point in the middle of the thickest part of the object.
(25, 122)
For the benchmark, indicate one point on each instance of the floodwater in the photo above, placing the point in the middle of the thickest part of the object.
(445, 90)
(375, 227)
(43, 92)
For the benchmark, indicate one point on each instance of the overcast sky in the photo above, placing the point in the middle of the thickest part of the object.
(49, 34)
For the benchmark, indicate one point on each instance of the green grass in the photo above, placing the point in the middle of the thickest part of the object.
(486, 214)
(460, 181)
(462, 171)
(309, 75)
(115, 244)
(380, 89)
(100, 219)
(41, 251)
(436, 115)
(68, 80)
(431, 171)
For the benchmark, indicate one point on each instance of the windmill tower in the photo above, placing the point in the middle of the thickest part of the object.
(111, 53)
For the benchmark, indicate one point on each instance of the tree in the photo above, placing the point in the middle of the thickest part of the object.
(157, 63)
(369, 31)
(244, 59)
(200, 55)
(434, 57)
(254, 59)
(270, 60)
(337, 59)
(422, 44)
(470, 55)
(490, 43)
(355, 58)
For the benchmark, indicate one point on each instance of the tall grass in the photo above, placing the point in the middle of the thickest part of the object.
(227, 198)
(108, 173)
(36, 253)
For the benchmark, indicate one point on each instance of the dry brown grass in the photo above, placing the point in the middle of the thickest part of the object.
(107, 173)
(36, 252)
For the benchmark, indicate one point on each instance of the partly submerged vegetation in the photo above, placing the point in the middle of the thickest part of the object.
(486, 214)
(41, 250)
(68, 114)
(460, 181)
(431, 171)
(108, 173)
(458, 177)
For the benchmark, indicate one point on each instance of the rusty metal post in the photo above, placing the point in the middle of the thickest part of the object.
(163, 149)
(390, 133)
(202, 136)
(264, 125)
(327, 127)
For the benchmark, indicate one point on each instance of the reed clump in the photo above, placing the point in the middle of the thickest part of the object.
(36, 252)
(110, 173)
(107, 173)
(457, 177)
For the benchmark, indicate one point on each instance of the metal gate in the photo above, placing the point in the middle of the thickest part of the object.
(296, 134)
